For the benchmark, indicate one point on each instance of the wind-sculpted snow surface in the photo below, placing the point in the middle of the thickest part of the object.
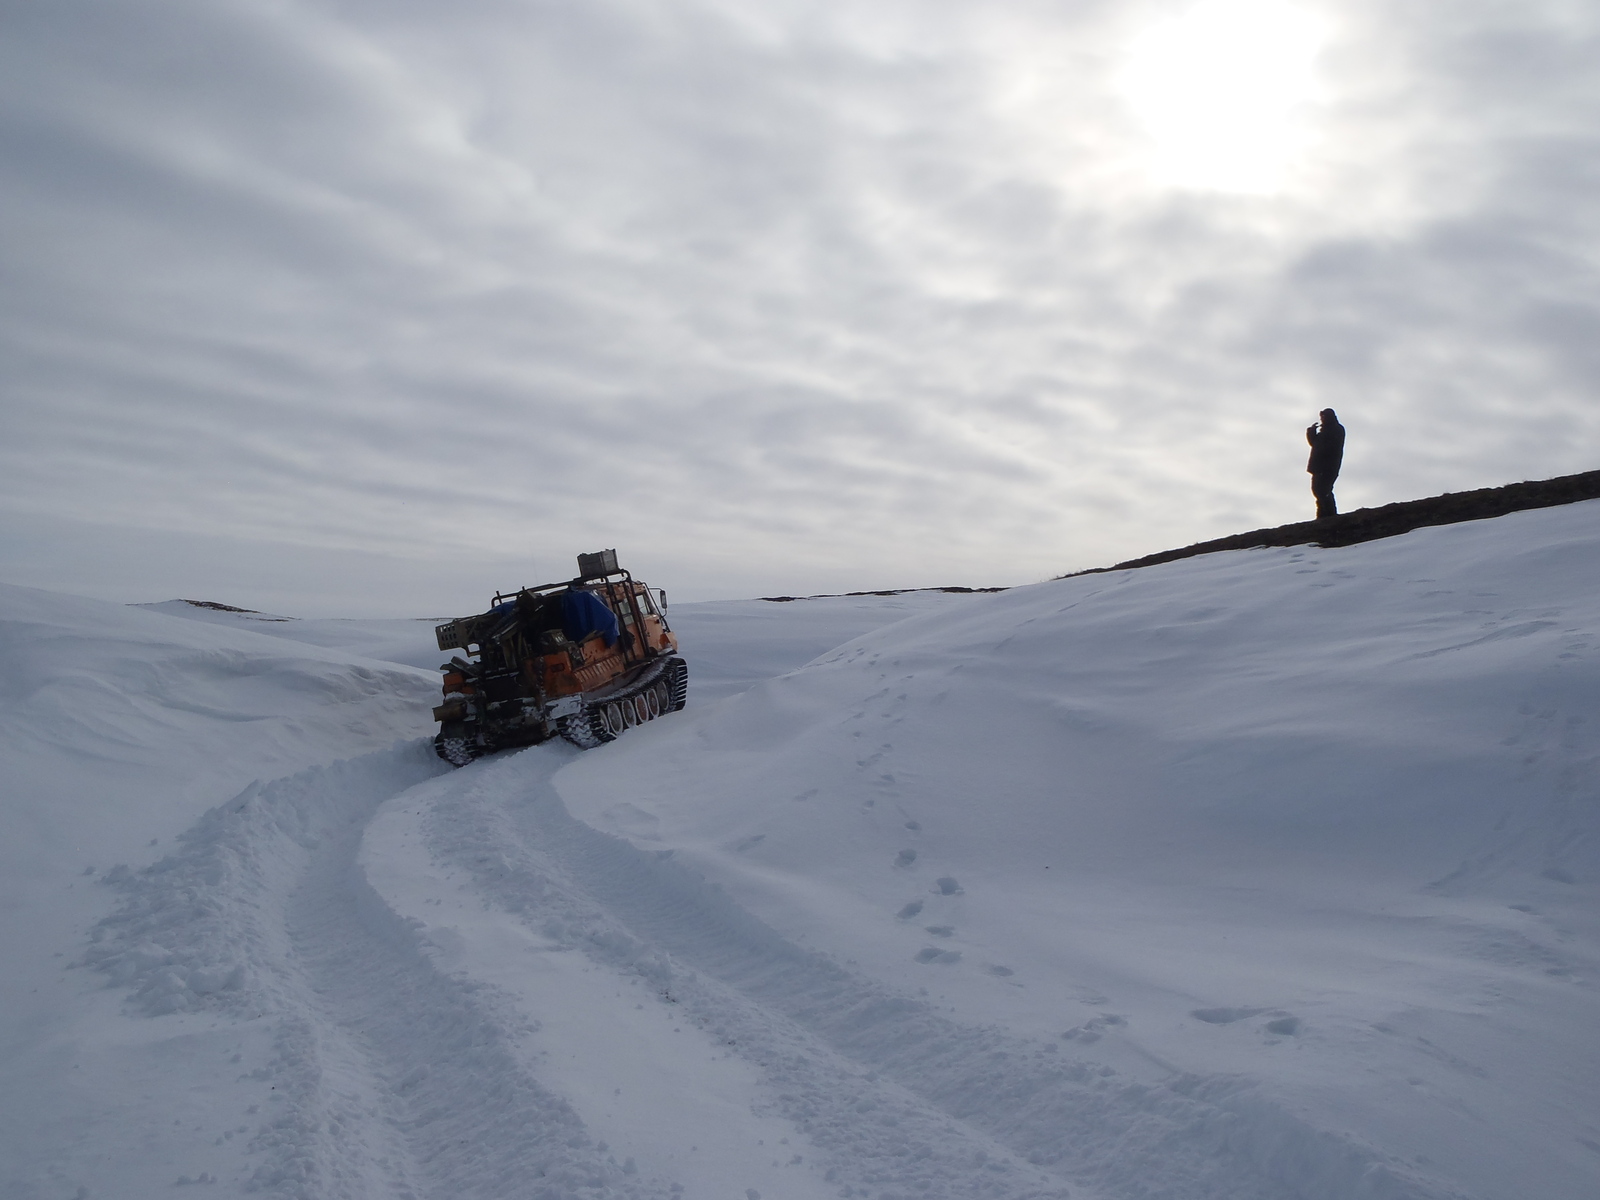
(384, 1076)
(894, 1097)
(1308, 833)
(200, 928)
(119, 729)
(1263, 876)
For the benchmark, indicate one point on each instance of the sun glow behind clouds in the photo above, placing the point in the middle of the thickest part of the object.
(1223, 91)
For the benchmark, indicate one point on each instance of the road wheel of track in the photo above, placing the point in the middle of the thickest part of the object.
(652, 702)
(630, 714)
(614, 722)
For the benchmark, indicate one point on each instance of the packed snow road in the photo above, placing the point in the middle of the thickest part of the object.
(468, 993)
(1263, 875)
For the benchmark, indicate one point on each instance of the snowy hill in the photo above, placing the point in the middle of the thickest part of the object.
(1263, 874)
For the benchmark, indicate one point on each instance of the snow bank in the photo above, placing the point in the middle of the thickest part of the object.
(1323, 819)
(735, 644)
(119, 729)
(392, 639)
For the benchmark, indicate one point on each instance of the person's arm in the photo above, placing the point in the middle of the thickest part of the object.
(1311, 436)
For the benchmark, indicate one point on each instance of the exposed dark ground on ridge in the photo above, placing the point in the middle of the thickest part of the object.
(1391, 520)
(1362, 525)
(881, 592)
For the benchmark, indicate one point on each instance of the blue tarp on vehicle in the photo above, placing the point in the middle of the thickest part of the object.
(583, 613)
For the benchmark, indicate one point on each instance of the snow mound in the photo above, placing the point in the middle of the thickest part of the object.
(1326, 822)
(119, 729)
(405, 641)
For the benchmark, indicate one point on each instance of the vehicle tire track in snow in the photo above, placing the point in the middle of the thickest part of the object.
(882, 1140)
(474, 1123)
(392, 1078)
(387, 1078)
(901, 1097)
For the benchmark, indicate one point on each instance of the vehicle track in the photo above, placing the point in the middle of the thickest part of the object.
(386, 1078)
(902, 1100)
(393, 1077)
(510, 833)
(470, 1120)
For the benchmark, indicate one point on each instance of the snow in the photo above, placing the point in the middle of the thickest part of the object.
(1264, 874)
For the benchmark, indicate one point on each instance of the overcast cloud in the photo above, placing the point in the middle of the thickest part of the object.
(373, 306)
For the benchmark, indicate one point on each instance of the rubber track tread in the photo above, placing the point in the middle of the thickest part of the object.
(587, 729)
(677, 685)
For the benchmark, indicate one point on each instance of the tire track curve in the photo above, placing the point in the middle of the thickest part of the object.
(387, 1078)
(904, 1100)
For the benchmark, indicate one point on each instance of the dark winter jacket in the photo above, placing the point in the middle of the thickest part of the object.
(1327, 448)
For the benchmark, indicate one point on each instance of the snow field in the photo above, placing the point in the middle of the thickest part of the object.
(270, 1005)
(120, 729)
(1260, 876)
(1343, 803)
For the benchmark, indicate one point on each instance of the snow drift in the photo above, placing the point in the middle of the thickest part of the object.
(1322, 820)
(1264, 874)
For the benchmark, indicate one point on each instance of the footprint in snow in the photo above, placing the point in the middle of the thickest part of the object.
(905, 858)
(932, 954)
(1284, 1026)
(947, 886)
(1224, 1016)
(910, 910)
(941, 930)
(1092, 1030)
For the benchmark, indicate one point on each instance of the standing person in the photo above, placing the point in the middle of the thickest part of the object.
(1327, 453)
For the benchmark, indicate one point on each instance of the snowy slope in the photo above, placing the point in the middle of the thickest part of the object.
(735, 643)
(1322, 821)
(120, 729)
(1267, 874)
(406, 641)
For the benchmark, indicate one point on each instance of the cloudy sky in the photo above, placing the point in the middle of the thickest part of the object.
(374, 306)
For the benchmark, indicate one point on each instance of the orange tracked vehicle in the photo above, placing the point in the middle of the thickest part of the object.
(584, 660)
